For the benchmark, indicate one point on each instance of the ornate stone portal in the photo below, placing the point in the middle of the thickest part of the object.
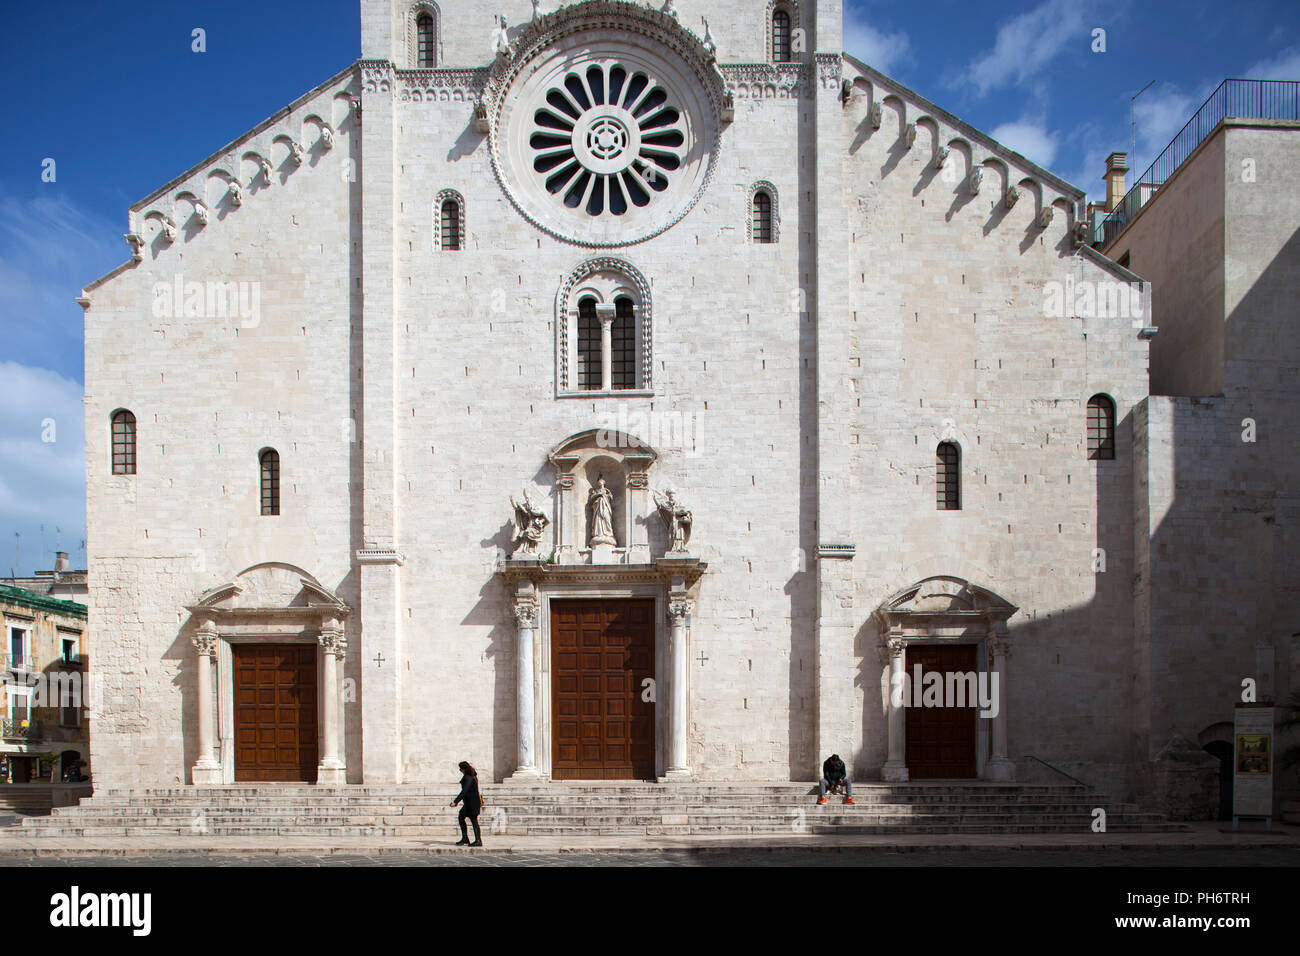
(602, 552)
(268, 603)
(940, 610)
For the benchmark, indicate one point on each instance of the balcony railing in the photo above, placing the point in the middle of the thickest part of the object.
(21, 664)
(1243, 99)
(14, 729)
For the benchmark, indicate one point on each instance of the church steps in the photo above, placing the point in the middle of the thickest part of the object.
(623, 808)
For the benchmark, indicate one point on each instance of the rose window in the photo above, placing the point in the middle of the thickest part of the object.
(607, 139)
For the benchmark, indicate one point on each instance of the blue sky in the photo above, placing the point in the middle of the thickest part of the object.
(113, 93)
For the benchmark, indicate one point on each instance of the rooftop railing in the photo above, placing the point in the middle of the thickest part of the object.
(1243, 99)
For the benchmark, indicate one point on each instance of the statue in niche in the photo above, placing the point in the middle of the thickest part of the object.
(601, 501)
(530, 522)
(676, 518)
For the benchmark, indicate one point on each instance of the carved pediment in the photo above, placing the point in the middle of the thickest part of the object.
(945, 596)
(271, 587)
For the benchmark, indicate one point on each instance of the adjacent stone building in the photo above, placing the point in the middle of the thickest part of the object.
(604, 393)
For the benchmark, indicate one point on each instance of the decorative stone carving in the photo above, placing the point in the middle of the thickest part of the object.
(236, 193)
(974, 180)
(678, 612)
(669, 9)
(941, 156)
(356, 110)
(168, 229)
(829, 71)
(206, 639)
(525, 614)
(710, 47)
(1012, 196)
(1080, 233)
(875, 115)
(909, 135)
(136, 243)
(332, 640)
(846, 90)
(1045, 217)
(326, 137)
(481, 124)
(537, 10)
(530, 523)
(264, 165)
(677, 520)
(201, 213)
(728, 107)
(756, 81)
(296, 152)
(601, 501)
(501, 40)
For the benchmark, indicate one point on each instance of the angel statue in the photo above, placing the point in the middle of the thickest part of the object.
(676, 519)
(601, 500)
(529, 522)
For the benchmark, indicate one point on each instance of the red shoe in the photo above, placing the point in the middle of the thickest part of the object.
(848, 800)
(821, 802)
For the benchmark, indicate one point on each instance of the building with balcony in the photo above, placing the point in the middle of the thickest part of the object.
(44, 725)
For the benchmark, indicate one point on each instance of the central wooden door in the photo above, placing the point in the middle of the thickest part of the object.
(940, 741)
(601, 653)
(275, 712)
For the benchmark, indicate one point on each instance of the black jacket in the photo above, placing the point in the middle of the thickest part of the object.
(469, 794)
(833, 770)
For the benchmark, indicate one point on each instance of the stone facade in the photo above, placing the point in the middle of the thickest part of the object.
(793, 392)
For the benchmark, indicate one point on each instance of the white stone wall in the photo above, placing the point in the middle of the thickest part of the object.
(924, 306)
(209, 391)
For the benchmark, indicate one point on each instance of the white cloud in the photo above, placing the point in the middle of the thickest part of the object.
(42, 482)
(877, 48)
(1031, 139)
(1284, 66)
(1028, 42)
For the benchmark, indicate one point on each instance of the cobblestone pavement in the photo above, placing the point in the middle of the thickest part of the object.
(722, 856)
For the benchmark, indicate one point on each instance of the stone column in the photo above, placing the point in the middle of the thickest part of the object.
(1000, 767)
(525, 710)
(678, 714)
(605, 313)
(206, 771)
(895, 769)
(332, 770)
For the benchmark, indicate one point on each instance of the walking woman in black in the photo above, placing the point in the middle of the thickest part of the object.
(469, 796)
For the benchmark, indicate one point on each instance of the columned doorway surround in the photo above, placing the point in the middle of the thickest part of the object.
(268, 693)
(946, 613)
(561, 556)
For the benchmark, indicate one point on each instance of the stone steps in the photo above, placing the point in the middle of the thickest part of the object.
(622, 808)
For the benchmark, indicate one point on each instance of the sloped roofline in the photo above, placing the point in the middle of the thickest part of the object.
(1010, 155)
(212, 157)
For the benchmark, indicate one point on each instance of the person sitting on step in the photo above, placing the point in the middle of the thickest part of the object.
(834, 776)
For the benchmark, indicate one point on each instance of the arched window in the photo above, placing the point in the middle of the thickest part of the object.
(623, 345)
(449, 229)
(123, 442)
(269, 465)
(761, 228)
(589, 350)
(603, 330)
(947, 474)
(1101, 428)
(781, 48)
(424, 40)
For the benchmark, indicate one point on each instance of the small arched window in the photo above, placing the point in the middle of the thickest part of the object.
(947, 474)
(761, 230)
(781, 47)
(269, 466)
(589, 351)
(424, 40)
(623, 345)
(449, 225)
(123, 442)
(1101, 428)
